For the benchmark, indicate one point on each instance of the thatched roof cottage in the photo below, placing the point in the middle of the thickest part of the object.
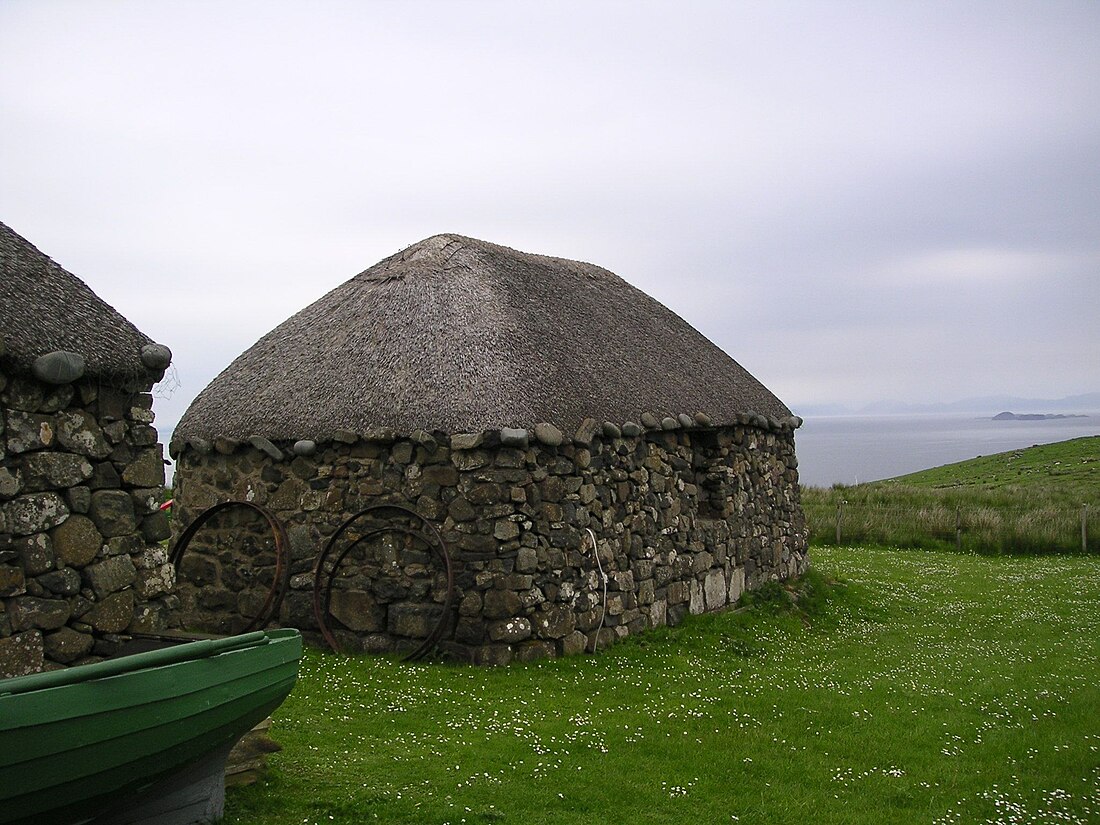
(81, 472)
(524, 406)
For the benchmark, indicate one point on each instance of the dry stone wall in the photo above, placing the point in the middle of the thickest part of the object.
(81, 560)
(685, 517)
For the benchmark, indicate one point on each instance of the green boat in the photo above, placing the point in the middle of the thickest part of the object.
(141, 738)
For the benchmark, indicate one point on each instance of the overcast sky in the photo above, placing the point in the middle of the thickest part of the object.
(857, 201)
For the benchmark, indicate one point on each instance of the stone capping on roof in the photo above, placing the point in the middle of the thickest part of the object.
(459, 335)
(544, 434)
(48, 311)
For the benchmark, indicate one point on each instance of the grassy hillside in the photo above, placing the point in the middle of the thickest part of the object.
(1068, 470)
(1026, 500)
(932, 688)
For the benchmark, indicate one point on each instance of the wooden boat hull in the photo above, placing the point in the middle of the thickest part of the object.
(90, 743)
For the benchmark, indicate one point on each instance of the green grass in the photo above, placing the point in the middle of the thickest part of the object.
(1066, 471)
(922, 687)
(1026, 501)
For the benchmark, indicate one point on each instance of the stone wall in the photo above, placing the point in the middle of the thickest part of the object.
(685, 517)
(81, 481)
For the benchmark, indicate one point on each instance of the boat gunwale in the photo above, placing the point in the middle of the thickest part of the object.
(187, 651)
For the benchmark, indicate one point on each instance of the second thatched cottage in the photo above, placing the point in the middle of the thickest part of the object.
(592, 465)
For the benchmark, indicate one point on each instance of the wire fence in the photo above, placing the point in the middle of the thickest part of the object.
(981, 528)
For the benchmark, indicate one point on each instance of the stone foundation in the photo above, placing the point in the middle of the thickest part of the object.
(685, 517)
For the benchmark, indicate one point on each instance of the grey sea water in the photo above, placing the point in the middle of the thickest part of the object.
(851, 449)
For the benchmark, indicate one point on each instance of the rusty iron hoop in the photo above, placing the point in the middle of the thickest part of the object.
(280, 581)
(322, 594)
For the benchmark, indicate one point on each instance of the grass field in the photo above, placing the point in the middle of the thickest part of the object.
(1066, 471)
(1026, 501)
(924, 687)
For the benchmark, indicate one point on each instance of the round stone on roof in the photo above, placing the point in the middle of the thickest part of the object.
(59, 367)
(156, 356)
(513, 437)
(548, 434)
(265, 446)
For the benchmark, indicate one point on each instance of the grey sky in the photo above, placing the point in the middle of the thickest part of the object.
(857, 201)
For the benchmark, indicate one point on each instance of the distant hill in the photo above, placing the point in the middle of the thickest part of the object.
(1011, 416)
(989, 404)
(1068, 471)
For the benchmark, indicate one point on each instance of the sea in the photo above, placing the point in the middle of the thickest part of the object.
(851, 449)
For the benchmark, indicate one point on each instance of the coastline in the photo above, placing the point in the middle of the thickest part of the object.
(851, 449)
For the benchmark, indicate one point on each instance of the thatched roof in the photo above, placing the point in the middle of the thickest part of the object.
(460, 335)
(44, 309)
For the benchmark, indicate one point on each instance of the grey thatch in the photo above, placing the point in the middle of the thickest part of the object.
(45, 309)
(459, 335)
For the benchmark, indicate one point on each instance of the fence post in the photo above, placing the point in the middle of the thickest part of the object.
(1084, 528)
(839, 517)
(958, 528)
